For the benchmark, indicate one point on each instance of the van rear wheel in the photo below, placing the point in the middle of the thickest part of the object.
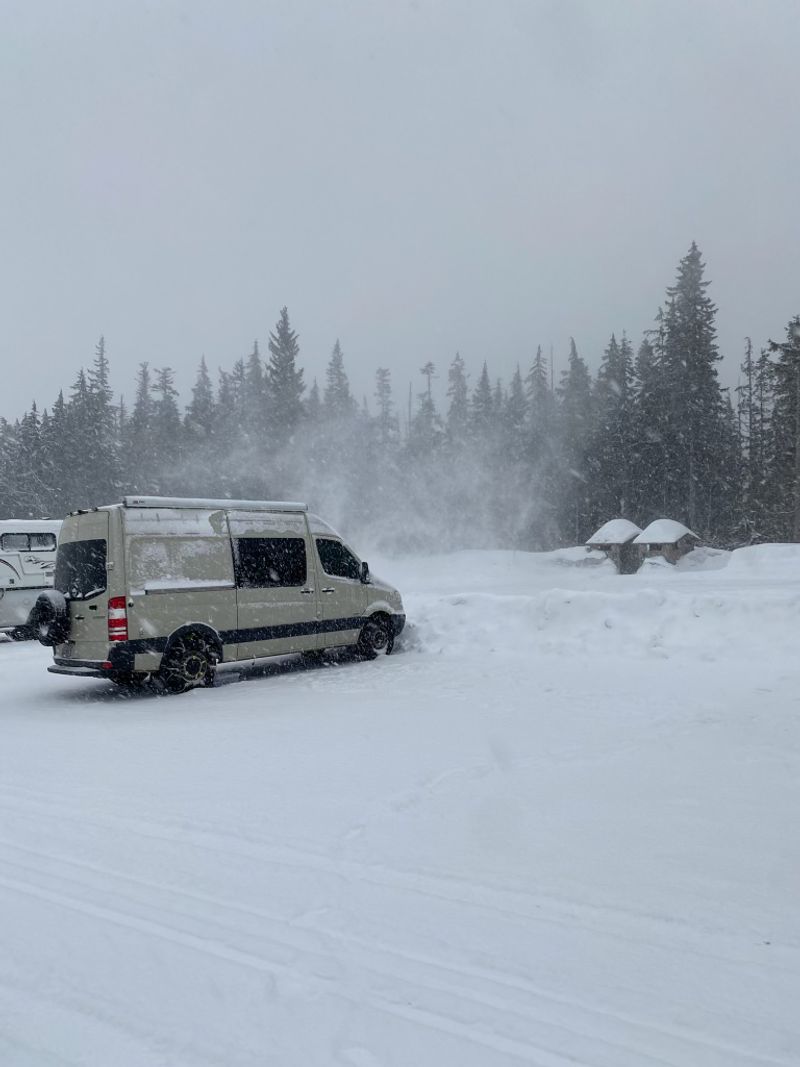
(189, 662)
(376, 638)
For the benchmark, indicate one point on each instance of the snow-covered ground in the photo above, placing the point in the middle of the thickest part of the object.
(559, 827)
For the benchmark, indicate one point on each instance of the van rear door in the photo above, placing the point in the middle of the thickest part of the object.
(82, 577)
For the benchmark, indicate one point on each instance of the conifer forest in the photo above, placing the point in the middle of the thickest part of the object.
(536, 462)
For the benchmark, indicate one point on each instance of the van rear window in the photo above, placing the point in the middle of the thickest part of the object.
(81, 569)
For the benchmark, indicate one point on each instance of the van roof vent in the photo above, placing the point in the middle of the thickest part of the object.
(208, 503)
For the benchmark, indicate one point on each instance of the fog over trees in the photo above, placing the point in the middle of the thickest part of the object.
(532, 463)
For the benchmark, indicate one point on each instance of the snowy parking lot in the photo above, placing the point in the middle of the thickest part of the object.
(558, 827)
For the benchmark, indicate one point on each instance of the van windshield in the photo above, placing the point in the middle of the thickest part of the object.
(81, 569)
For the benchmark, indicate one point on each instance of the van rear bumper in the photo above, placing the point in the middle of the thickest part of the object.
(120, 660)
(80, 670)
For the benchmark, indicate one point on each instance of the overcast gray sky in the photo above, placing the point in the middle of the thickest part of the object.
(414, 178)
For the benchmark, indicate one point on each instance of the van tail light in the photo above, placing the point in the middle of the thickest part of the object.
(117, 619)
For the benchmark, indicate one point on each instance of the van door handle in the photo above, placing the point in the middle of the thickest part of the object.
(79, 618)
(328, 590)
(307, 591)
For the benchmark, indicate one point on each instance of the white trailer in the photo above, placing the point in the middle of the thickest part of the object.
(27, 561)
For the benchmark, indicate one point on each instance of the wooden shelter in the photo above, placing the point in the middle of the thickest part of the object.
(616, 538)
(667, 538)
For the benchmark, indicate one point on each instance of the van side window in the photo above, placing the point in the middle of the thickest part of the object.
(269, 562)
(14, 542)
(337, 560)
(43, 542)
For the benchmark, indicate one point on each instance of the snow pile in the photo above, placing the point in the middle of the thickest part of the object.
(767, 561)
(660, 612)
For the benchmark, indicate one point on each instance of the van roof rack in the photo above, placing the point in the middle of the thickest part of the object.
(206, 503)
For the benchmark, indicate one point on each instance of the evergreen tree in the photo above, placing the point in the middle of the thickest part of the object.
(458, 411)
(388, 428)
(166, 423)
(32, 493)
(515, 419)
(338, 402)
(541, 409)
(576, 517)
(254, 403)
(200, 413)
(610, 453)
(784, 467)
(314, 404)
(426, 427)
(482, 407)
(100, 429)
(53, 437)
(284, 380)
(695, 412)
(140, 450)
(751, 433)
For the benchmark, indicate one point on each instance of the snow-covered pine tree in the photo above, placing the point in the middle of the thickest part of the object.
(575, 413)
(139, 451)
(482, 408)
(166, 430)
(200, 412)
(100, 430)
(338, 402)
(610, 452)
(254, 402)
(426, 426)
(696, 485)
(783, 476)
(285, 386)
(457, 423)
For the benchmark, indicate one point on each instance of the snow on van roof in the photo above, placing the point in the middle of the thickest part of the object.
(615, 532)
(30, 525)
(319, 526)
(664, 532)
(208, 503)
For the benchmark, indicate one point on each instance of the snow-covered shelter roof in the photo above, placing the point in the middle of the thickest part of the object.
(664, 532)
(615, 532)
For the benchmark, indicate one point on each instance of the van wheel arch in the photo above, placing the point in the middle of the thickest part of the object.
(376, 637)
(190, 658)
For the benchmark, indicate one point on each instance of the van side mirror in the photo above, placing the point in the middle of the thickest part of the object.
(365, 573)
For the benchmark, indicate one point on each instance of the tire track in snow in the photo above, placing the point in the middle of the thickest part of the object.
(529, 1053)
(617, 1048)
(616, 922)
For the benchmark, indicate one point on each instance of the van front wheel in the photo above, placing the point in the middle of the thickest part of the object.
(376, 638)
(189, 662)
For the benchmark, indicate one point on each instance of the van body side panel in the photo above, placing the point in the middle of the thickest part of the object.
(179, 570)
(278, 607)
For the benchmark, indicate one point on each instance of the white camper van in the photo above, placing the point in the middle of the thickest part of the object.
(166, 588)
(27, 561)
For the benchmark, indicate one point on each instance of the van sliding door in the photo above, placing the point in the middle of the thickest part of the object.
(275, 584)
